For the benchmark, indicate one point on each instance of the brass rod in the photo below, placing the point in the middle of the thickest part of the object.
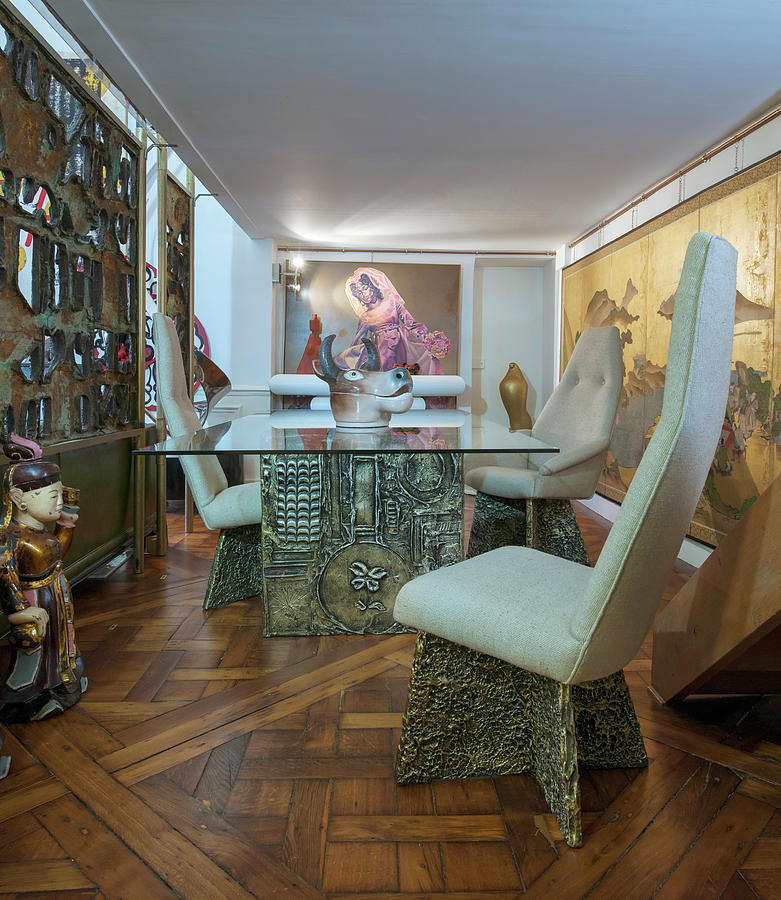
(139, 468)
(139, 484)
(161, 545)
(680, 173)
(189, 507)
(141, 280)
(303, 249)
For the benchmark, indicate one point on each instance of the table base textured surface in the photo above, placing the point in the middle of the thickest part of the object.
(342, 532)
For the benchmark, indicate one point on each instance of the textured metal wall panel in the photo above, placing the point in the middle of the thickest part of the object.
(68, 251)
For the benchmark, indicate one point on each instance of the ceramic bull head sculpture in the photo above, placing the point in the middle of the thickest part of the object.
(363, 398)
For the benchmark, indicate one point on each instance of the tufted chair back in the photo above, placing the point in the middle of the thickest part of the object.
(582, 408)
(640, 550)
(203, 473)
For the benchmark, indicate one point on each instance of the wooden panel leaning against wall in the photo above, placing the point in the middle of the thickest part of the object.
(631, 283)
(71, 314)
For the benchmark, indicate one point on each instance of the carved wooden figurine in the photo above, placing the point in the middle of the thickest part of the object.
(513, 390)
(45, 672)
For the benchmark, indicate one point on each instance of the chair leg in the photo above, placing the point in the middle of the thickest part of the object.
(497, 522)
(551, 526)
(237, 570)
(470, 714)
(546, 525)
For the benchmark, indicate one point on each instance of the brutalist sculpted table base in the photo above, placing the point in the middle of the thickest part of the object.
(342, 532)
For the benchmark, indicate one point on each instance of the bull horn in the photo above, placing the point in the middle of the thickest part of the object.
(372, 358)
(327, 364)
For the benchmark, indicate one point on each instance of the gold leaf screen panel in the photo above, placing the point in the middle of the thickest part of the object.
(631, 283)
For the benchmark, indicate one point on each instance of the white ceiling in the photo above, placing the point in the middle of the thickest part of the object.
(502, 124)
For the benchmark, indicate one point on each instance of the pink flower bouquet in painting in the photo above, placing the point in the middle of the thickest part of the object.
(437, 344)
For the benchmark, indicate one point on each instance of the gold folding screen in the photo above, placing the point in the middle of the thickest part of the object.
(631, 283)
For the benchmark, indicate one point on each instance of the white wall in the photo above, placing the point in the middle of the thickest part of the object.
(512, 331)
(233, 300)
(509, 326)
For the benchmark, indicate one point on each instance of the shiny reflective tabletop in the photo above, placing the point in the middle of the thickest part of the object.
(314, 431)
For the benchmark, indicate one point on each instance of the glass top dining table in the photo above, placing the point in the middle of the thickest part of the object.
(314, 431)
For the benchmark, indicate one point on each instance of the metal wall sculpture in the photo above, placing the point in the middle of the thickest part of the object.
(68, 251)
(343, 532)
(631, 283)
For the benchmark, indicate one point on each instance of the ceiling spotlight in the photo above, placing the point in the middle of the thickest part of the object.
(298, 262)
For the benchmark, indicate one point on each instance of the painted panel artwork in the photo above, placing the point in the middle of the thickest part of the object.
(409, 311)
(631, 283)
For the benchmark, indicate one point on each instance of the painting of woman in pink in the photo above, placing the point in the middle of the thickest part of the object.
(384, 319)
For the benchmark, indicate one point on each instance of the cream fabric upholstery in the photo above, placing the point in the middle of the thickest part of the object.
(219, 505)
(578, 418)
(575, 624)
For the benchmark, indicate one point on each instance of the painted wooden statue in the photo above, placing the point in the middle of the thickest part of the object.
(45, 671)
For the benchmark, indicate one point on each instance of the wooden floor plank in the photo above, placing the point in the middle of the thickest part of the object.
(659, 849)
(169, 730)
(577, 871)
(416, 828)
(29, 794)
(147, 687)
(242, 697)
(270, 712)
(25, 838)
(714, 751)
(220, 773)
(766, 883)
(361, 867)
(520, 799)
(305, 838)
(176, 861)
(765, 854)
(475, 866)
(107, 862)
(429, 895)
(370, 720)
(760, 790)
(44, 875)
(309, 767)
(708, 867)
(259, 872)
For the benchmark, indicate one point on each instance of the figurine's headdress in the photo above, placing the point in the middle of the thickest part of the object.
(27, 471)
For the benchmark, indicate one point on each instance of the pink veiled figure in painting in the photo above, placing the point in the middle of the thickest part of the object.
(384, 319)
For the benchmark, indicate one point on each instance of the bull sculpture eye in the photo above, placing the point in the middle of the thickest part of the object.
(353, 375)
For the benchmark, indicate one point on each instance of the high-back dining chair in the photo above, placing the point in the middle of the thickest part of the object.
(528, 504)
(236, 572)
(519, 664)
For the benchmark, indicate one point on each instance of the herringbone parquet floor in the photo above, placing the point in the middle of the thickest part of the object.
(207, 762)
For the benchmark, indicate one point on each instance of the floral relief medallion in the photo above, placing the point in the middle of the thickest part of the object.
(358, 586)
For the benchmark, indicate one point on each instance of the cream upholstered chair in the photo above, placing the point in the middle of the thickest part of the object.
(518, 666)
(529, 505)
(236, 571)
